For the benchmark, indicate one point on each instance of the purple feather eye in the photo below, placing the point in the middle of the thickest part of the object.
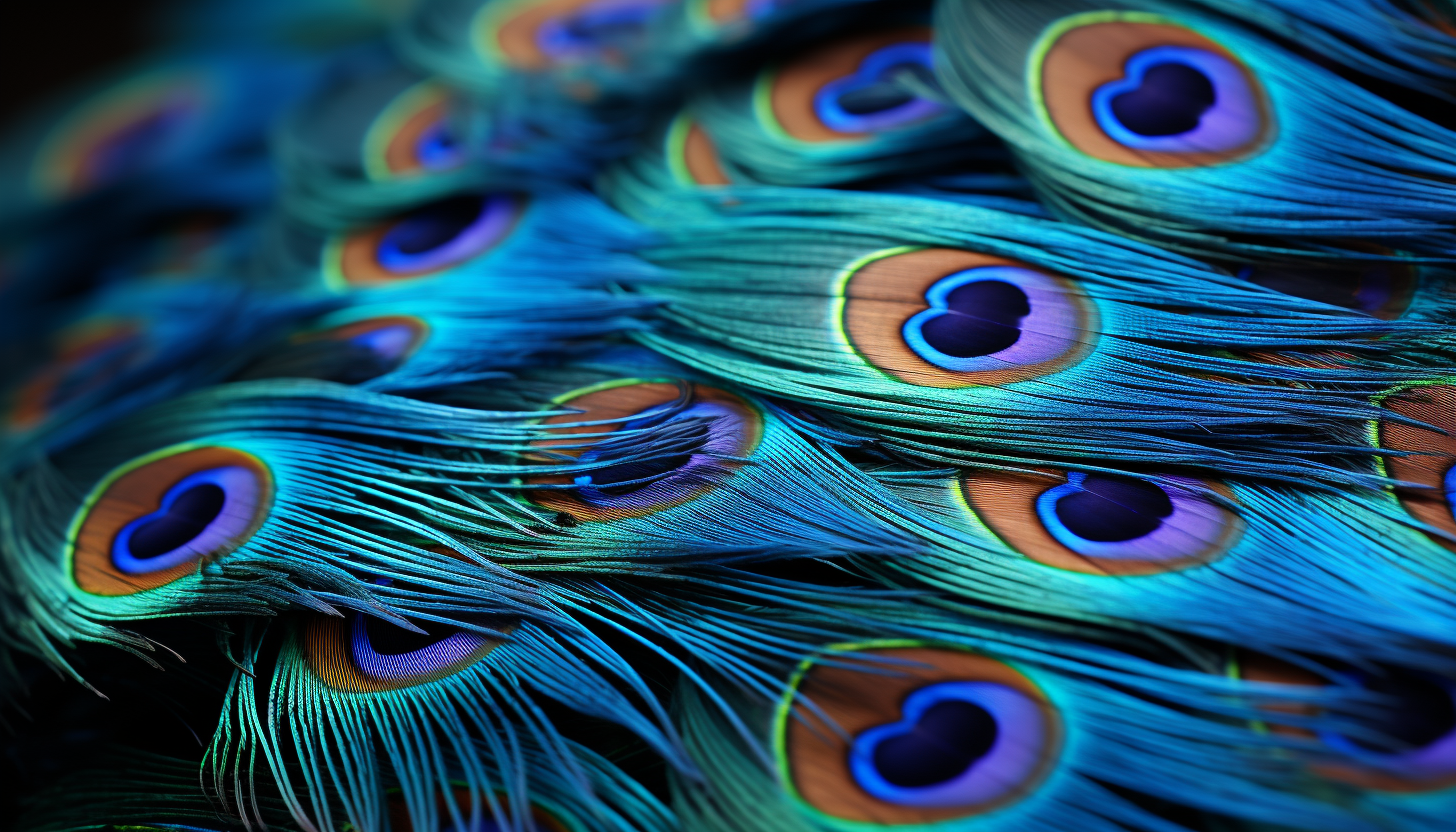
(423, 242)
(851, 87)
(612, 27)
(905, 734)
(1412, 737)
(664, 445)
(122, 132)
(413, 134)
(992, 318)
(200, 514)
(391, 654)
(683, 453)
(1145, 94)
(352, 353)
(367, 655)
(1103, 524)
(87, 357)
(444, 233)
(137, 145)
(948, 318)
(956, 744)
(152, 522)
(437, 148)
(1121, 518)
(876, 96)
(1382, 288)
(1176, 99)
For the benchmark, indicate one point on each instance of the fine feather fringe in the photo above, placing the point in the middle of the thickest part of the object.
(1345, 164)
(755, 293)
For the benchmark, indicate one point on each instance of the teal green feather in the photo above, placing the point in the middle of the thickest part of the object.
(1128, 739)
(764, 294)
(1239, 562)
(505, 463)
(1300, 181)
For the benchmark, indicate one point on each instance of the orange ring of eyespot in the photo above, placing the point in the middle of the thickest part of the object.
(516, 37)
(139, 492)
(818, 754)
(700, 157)
(1254, 667)
(1435, 405)
(400, 155)
(885, 293)
(1006, 502)
(326, 647)
(344, 332)
(358, 267)
(797, 83)
(1070, 105)
(1382, 781)
(29, 405)
(66, 166)
(726, 11)
(399, 819)
(622, 403)
(1407, 279)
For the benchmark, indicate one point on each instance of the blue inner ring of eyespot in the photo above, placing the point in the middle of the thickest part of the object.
(828, 104)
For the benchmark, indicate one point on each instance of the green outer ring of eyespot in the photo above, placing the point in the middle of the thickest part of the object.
(1048, 38)
(73, 529)
(382, 130)
(698, 20)
(763, 107)
(627, 382)
(839, 299)
(331, 265)
(1372, 427)
(783, 712)
(610, 384)
(675, 149)
(784, 709)
(483, 25)
(957, 489)
(592, 388)
(47, 180)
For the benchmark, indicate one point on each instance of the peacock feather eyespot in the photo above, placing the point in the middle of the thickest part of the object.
(1408, 744)
(1101, 524)
(86, 357)
(1141, 90)
(1411, 741)
(1425, 457)
(723, 12)
(692, 156)
(665, 444)
(121, 132)
(852, 88)
(535, 35)
(1381, 288)
(546, 817)
(423, 242)
(952, 318)
(350, 353)
(920, 734)
(364, 654)
(413, 135)
(155, 519)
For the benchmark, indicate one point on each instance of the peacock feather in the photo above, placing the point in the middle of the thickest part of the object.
(735, 416)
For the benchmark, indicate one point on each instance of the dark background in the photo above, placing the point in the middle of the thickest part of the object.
(47, 45)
